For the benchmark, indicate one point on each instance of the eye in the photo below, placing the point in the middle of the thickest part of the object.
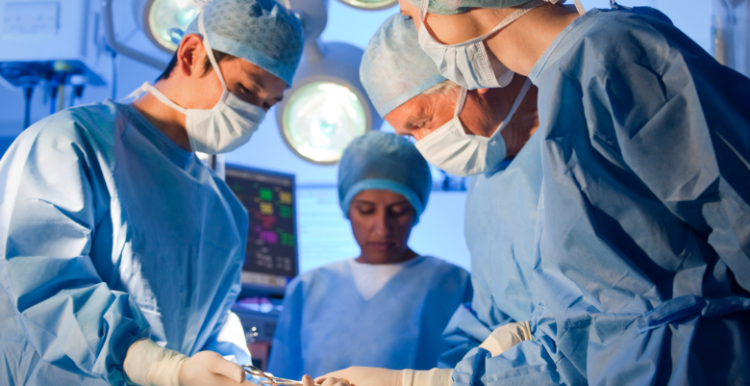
(400, 209)
(365, 209)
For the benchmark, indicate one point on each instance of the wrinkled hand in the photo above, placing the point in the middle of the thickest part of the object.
(209, 368)
(365, 376)
(331, 381)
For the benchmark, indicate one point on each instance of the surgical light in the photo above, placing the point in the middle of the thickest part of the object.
(321, 118)
(327, 106)
(370, 5)
(165, 20)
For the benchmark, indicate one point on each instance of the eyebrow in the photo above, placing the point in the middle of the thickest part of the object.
(361, 201)
(259, 82)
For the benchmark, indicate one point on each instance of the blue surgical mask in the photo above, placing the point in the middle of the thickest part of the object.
(451, 149)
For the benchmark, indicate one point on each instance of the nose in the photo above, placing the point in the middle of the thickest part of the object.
(380, 226)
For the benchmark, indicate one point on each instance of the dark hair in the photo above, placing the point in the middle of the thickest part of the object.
(218, 55)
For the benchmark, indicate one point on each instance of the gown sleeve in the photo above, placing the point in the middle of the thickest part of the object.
(690, 146)
(52, 203)
(286, 352)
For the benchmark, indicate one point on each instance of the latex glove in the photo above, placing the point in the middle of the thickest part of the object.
(506, 336)
(331, 381)
(148, 364)
(373, 376)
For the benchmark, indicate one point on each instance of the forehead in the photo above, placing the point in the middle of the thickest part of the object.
(380, 197)
(256, 74)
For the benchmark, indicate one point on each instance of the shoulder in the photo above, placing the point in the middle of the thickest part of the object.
(91, 124)
(443, 269)
(332, 271)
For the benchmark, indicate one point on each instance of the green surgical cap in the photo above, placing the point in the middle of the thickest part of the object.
(263, 32)
(394, 69)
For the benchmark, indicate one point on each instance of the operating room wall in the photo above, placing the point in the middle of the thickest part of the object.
(324, 235)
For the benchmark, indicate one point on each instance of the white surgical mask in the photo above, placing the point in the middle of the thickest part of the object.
(468, 63)
(451, 149)
(225, 127)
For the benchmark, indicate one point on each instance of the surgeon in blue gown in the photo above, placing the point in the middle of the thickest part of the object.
(120, 251)
(389, 306)
(642, 259)
(414, 100)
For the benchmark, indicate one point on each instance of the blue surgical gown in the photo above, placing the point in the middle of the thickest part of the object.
(642, 235)
(110, 232)
(500, 222)
(327, 325)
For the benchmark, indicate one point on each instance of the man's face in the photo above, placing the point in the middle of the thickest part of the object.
(245, 80)
(424, 114)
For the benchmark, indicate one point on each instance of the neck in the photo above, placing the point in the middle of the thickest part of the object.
(520, 45)
(168, 120)
(405, 255)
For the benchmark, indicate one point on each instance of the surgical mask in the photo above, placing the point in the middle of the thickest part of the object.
(468, 63)
(451, 149)
(225, 127)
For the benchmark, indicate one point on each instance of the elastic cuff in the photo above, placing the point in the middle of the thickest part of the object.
(434, 377)
(149, 364)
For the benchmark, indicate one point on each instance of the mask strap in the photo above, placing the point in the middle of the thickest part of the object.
(148, 87)
(519, 99)
(460, 102)
(210, 51)
(423, 11)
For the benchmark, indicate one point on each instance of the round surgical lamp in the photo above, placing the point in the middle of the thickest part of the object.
(327, 107)
(370, 5)
(164, 20)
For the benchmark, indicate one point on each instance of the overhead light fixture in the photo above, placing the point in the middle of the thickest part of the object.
(327, 106)
(165, 20)
(370, 5)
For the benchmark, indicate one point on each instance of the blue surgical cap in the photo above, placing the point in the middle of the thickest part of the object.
(452, 7)
(394, 68)
(384, 161)
(263, 32)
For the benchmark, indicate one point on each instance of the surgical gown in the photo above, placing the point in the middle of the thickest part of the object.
(327, 325)
(500, 221)
(642, 230)
(110, 232)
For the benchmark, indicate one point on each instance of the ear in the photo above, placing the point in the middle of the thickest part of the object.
(191, 55)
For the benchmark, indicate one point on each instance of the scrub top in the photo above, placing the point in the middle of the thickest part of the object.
(110, 232)
(331, 321)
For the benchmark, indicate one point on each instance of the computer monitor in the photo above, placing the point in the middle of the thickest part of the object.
(271, 259)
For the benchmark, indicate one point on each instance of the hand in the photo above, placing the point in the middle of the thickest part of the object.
(308, 381)
(365, 376)
(210, 368)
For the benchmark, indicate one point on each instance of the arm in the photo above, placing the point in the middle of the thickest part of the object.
(53, 201)
(286, 359)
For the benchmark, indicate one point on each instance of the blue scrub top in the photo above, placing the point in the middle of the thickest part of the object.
(327, 325)
(641, 250)
(110, 232)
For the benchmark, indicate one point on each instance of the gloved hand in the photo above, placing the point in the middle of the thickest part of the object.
(373, 376)
(506, 336)
(210, 368)
(152, 365)
(331, 381)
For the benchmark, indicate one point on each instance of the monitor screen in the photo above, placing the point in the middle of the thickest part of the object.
(271, 258)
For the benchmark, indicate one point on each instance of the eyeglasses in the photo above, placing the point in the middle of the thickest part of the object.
(270, 379)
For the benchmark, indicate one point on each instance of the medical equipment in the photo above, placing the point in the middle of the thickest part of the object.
(271, 380)
(731, 34)
(52, 44)
(271, 257)
(327, 106)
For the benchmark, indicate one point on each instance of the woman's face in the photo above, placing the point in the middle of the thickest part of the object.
(381, 222)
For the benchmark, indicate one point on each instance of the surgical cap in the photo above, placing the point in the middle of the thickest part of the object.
(452, 7)
(384, 161)
(263, 32)
(394, 69)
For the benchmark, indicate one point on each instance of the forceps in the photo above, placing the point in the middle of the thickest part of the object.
(270, 379)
